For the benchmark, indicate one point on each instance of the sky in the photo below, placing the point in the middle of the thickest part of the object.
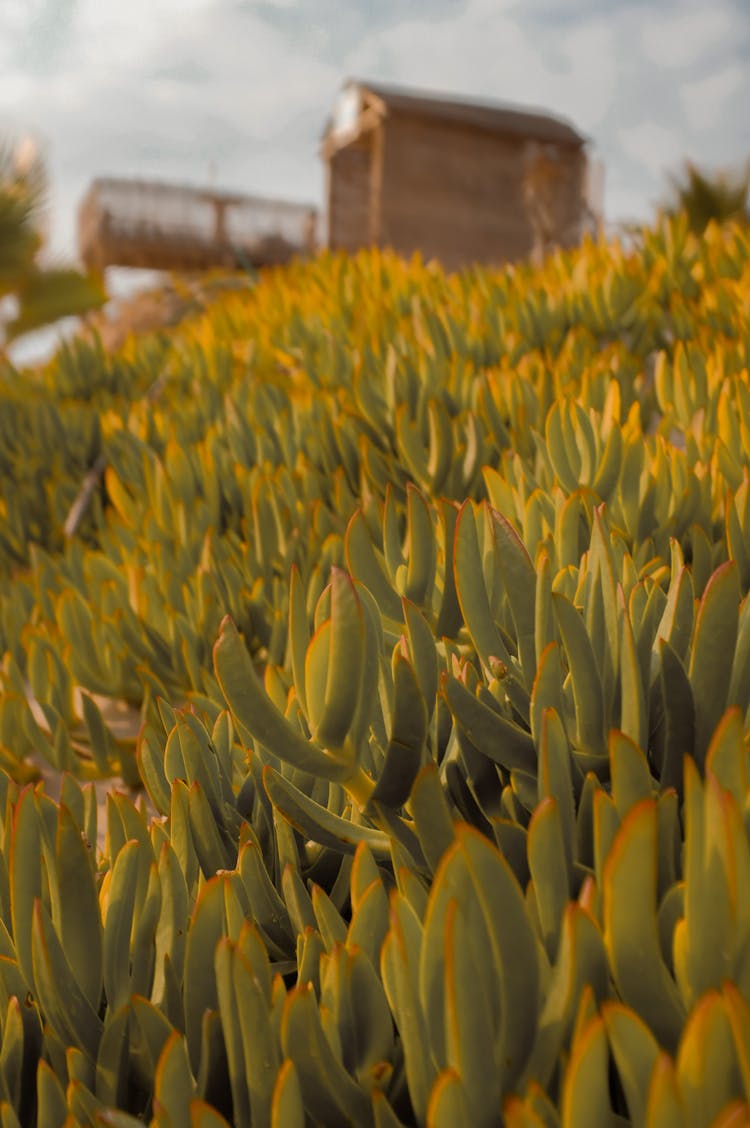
(235, 93)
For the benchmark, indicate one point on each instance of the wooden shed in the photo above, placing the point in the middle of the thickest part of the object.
(145, 223)
(461, 181)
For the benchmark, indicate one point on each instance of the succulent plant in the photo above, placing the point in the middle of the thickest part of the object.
(418, 606)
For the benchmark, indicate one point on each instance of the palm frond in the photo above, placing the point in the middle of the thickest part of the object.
(47, 295)
(703, 196)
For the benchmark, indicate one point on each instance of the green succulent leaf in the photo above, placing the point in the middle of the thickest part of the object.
(472, 592)
(174, 1085)
(113, 1060)
(330, 923)
(581, 963)
(549, 872)
(316, 821)
(383, 1114)
(207, 928)
(25, 877)
(400, 958)
(432, 816)
(501, 930)
(258, 717)
(665, 1105)
(535, 1110)
(469, 1035)
(630, 926)
(252, 1050)
(364, 564)
(631, 778)
(585, 1096)
(352, 992)
(712, 654)
(635, 1051)
(674, 734)
(448, 1103)
(423, 654)
(287, 1108)
(555, 778)
(727, 757)
(204, 1115)
(633, 719)
(344, 666)
(150, 760)
(266, 904)
(519, 579)
(60, 996)
(212, 845)
(80, 924)
(405, 751)
(587, 686)
(118, 923)
(325, 1085)
(420, 571)
(148, 1032)
(51, 1104)
(299, 634)
(369, 923)
(499, 739)
(706, 1061)
(449, 618)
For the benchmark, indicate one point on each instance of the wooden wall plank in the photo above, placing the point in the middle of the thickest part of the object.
(450, 191)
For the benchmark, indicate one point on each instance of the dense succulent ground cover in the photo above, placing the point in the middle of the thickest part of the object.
(427, 596)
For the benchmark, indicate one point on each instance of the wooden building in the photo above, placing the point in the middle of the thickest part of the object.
(174, 227)
(461, 181)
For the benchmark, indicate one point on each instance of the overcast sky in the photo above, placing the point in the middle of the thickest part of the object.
(235, 93)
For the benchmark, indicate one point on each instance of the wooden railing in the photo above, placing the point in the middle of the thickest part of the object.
(160, 226)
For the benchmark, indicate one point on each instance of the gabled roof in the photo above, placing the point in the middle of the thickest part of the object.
(492, 116)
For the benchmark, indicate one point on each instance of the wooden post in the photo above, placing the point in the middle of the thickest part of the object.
(376, 185)
(220, 220)
(542, 179)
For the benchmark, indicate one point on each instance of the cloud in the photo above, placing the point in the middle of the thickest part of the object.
(487, 51)
(678, 37)
(705, 98)
(484, 53)
(587, 83)
(15, 88)
(625, 203)
(654, 146)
